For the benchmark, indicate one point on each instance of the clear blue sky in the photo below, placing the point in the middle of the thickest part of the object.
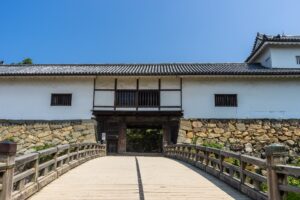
(139, 31)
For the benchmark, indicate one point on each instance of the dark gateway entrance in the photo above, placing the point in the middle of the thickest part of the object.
(144, 140)
(138, 131)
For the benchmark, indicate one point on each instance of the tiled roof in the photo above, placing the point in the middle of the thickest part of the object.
(143, 69)
(262, 38)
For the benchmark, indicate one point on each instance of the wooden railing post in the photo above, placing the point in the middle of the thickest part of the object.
(275, 154)
(7, 155)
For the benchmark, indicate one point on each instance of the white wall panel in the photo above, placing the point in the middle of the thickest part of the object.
(147, 109)
(29, 98)
(285, 57)
(170, 83)
(265, 59)
(103, 109)
(105, 83)
(126, 109)
(126, 83)
(256, 98)
(148, 83)
(170, 98)
(104, 98)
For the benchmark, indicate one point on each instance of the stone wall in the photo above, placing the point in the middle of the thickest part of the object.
(31, 134)
(249, 136)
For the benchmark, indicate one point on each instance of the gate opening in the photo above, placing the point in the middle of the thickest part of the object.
(144, 140)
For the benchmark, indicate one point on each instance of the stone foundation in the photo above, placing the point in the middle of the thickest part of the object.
(249, 136)
(30, 134)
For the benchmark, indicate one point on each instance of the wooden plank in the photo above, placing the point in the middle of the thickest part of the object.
(3, 167)
(230, 154)
(255, 176)
(46, 164)
(253, 160)
(213, 150)
(62, 157)
(20, 160)
(23, 175)
(63, 147)
(288, 170)
(115, 178)
(47, 151)
(214, 160)
(231, 166)
(289, 188)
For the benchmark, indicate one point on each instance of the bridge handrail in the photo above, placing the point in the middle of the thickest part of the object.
(257, 178)
(25, 175)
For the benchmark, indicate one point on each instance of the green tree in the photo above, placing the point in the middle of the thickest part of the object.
(26, 61)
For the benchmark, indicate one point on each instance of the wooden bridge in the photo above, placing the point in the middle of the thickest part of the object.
(195, 172)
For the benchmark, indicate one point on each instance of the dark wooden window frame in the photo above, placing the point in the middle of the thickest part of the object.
(298, 60)
(137, 98)
(125, 98)
(115, 106)
(144, 101)
(226, 100)
(61, 99)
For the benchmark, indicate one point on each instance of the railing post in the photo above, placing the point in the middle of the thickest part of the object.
(7, 155)
(242, 168)
(275, 154)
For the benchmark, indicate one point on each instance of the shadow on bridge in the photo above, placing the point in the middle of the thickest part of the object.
(234, 194)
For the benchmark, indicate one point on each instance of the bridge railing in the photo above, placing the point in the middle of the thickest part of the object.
(257, 178)
(25, 175)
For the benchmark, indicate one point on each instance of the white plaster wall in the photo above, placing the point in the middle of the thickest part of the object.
(104, 98)
(256, 98)
(105, 83)
(147, 109)
(148, 83)
(265, 59)
(126, 83)
(170, 83)
(29, 98)
(285, 57)
(170, 98)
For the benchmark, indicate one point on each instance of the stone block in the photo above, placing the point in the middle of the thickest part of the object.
(44, 134)
(185, 125)
(197, 124)
(241, 126)
(79, 127)
(219, 130)
(190, 135)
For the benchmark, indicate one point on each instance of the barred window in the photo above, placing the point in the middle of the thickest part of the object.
(149, 98)
(141, 98)
(61, 99)
(298, 60)
(226, 100)
(125, 98)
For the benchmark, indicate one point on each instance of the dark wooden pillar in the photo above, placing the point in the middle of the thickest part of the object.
(122, 138)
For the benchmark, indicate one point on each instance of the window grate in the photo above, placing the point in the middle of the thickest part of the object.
(125, 98)
(298, 60)
(61, 99)
(141, 98)
(226, 100)
(149, 98)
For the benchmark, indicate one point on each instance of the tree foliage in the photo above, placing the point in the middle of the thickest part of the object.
(26, 61)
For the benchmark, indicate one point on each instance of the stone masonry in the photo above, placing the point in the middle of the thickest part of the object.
(249, 136)
(30, 134)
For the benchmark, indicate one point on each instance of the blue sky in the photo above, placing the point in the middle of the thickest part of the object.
(139, 31)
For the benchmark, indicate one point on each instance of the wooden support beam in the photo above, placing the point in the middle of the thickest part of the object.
(7, 155)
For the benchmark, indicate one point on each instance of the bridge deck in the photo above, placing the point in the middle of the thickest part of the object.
(136, 178)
